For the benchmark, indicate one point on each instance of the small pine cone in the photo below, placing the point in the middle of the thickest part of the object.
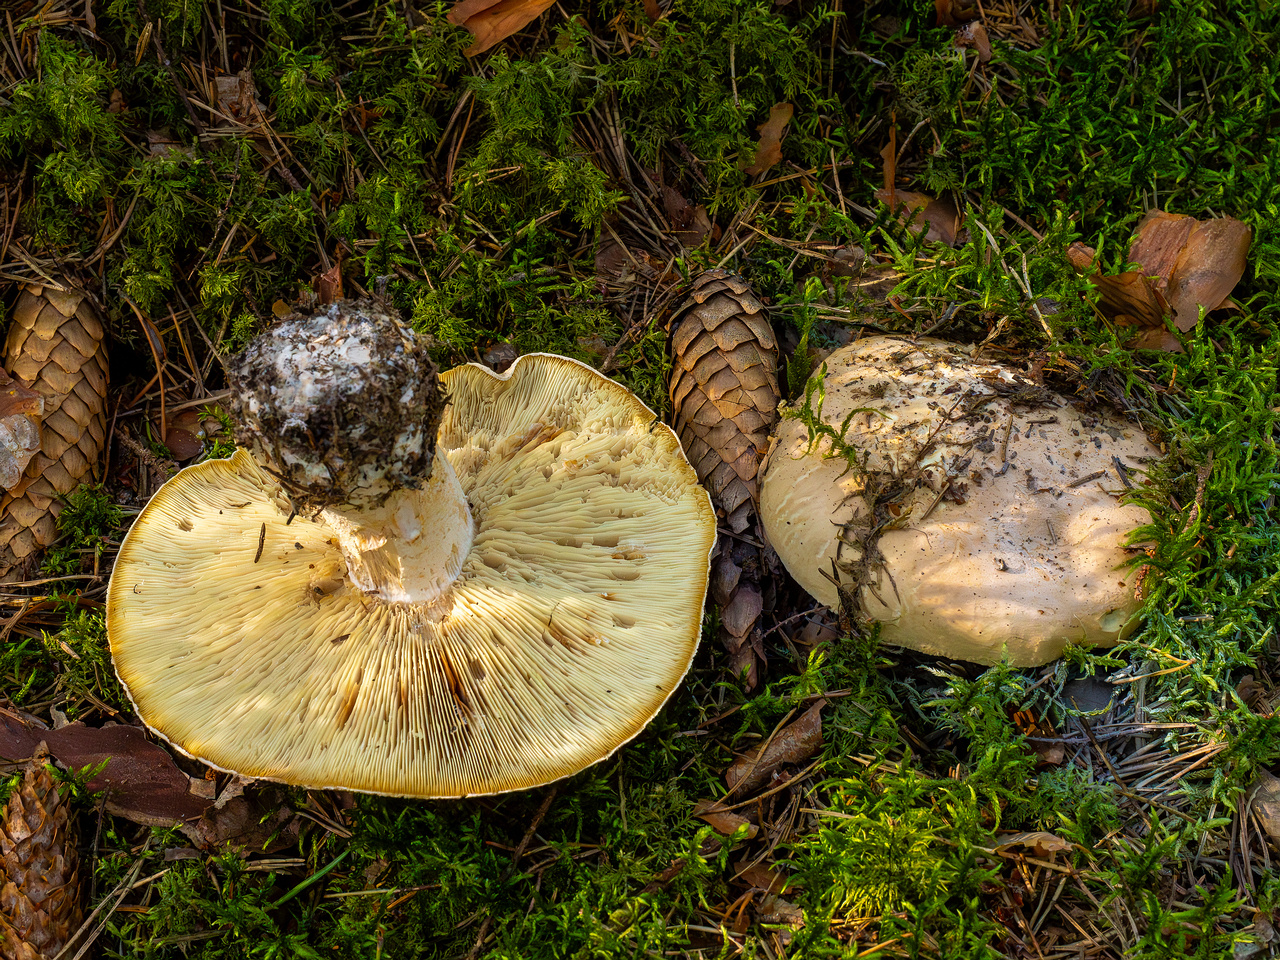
(724, 389)
(56, 347)
(724, 393)
(39, 870)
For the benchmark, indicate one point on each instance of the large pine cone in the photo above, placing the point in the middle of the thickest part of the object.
(724, 389)
(56, 347)
(39, 876)
(724, 394)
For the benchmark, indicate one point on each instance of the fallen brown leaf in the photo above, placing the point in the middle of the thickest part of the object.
(723, 821)
(689, 223)
(1254, 695)
(1156, 243)
(1131, 299)
(793, 744)
(141, 781)
(612, 258)
(491, 23)
(952, 13)
(500, 356)
(237, 99)
(939, 219)
(776, 910)
(769, 146)
(1209, 266)
(263, 823)
(182, 435)
(1039, 841)
(1080, 256)
(1186, 264)
(1088, 694)
(760, 877)
(661, 881)
(328, 284)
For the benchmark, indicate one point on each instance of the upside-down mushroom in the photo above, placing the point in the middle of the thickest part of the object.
(391, 592)
(976, 515)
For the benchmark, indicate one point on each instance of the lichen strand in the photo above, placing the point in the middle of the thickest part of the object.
(342, 405)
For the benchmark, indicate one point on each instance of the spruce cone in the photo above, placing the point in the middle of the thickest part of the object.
(724, 396)
(56, 347)
(39, 880)
(724, 389)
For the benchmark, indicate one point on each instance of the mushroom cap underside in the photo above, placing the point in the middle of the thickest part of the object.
(575, 616)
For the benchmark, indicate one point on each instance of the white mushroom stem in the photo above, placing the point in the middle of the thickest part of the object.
(412, 547)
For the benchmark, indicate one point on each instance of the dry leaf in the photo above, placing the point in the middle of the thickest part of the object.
(759, 877)
(612, 259)
(723, 821)
(262, 823)
(500, 356)
(652, 10)
(1186, 265)
(952, 13)
(690, 224)
(1131, 299)
(1254, 695)
(769, 147)
(1156, 243)
(793, 744)
(328, 285)
(162, 143)
(142, 782)
(938, 218)
(777, 910)
(1088, 694)
(1080, 256)
(237, 98)
(182, 434)
(1209, 266)
(1042, 843)
(973, 36)
(491, 23)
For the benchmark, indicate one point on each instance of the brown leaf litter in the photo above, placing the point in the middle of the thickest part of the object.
(792, 744)
(1185, 265)
(769, 146)
(722, 819)
(491, 23)
(939, 219)
(141, 783)
(40, 897)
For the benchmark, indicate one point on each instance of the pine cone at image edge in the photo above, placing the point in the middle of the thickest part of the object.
(40, 907)
(56, 346)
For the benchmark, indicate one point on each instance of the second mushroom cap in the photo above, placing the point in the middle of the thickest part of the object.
(973, 513)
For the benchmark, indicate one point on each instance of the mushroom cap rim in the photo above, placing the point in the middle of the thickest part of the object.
(503, 376)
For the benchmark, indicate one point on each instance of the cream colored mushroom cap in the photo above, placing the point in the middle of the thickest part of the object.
(574, 619)
(1025, 564)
